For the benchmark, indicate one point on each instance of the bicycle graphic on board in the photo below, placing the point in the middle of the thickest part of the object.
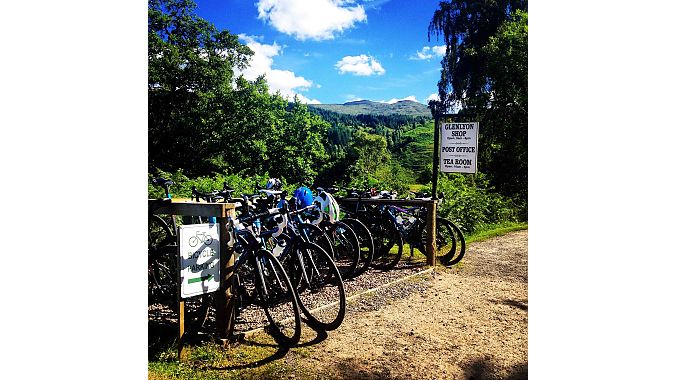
(200, 237)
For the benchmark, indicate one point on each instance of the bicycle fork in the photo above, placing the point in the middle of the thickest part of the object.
(304, 272)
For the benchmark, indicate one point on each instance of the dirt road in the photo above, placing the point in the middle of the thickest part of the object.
(467, 323)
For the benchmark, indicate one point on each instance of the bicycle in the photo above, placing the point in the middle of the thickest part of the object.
(260, 279)
(412, 222)
(387, 240)
(364, 237)
(200, 238)
(312, 272)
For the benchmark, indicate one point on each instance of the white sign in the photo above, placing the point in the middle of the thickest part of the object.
(459, 147)
(200, 254)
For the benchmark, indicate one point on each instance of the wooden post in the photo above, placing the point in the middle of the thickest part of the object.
(224, 298)
(435, 160)
(181, 303)
(225, 302)
(431, 233)
(181, 328)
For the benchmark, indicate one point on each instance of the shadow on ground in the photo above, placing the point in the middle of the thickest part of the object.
(278, 354)
(161, 337)
(485, 369)
(523, 305)
(476, 369)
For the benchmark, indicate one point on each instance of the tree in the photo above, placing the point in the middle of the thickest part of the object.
(485, 70)
(200, 122)
(190, 74)
(368, 153)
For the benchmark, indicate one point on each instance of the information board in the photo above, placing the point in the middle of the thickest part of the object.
(459, 147)
(200, 254)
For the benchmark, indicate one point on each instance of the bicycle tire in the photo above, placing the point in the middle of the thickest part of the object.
(159, 233)
(163, 276)
(345, 247)
(386, 237)
(446, 242)
(321, 291)
(316, 235)
(162, 267)
(365, 245)
(278, 299)
(197, 310)
(461, 240)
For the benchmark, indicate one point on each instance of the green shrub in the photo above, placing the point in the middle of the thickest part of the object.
(471, 203)
(182, 187)
(468, 199)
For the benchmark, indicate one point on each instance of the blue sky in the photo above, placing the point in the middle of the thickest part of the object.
(334, 51)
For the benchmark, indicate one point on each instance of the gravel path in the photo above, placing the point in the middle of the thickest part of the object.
(468, 322)
(254, 317)
(465, 323)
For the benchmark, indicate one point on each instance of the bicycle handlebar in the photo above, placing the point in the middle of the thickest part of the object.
(264, 214)
(165, 183)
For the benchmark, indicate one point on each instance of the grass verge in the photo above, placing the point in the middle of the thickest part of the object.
(494, 230)
(256, 357)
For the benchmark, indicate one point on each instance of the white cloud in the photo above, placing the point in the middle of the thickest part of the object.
(316, 20)
(453, 108)
(429, 52)
(361, 65)
(439, 50)
(306, 100)
(284, 81)
(394, 100)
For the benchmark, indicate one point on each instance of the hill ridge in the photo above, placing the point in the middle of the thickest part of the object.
(369, 107)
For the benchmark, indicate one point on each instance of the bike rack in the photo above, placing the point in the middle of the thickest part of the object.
(224, 298)
(431, 222)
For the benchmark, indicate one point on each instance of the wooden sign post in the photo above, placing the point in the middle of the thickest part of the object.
(224, 299)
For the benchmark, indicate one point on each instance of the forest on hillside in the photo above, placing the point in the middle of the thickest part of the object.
(206, 125)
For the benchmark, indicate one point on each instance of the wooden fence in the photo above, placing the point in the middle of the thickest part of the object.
(225, 302)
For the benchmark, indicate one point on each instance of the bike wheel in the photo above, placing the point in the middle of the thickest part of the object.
(389, 244)
(314, 234)
(321, 292)
(365, 245)
(163, 279)
(285, 255)
(162, 265)
(159, 233)
(446, 242)
(460, 239)
(345, 247)
(277, 298)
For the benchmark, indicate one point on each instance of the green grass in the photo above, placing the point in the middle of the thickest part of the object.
(494, 230)
(215, 361)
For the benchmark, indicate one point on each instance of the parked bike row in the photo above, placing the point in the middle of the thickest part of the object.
(292, 255)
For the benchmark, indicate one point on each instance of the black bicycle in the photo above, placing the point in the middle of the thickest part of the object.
(314, 274)
(388, 243)
(412, 223)
(260, 279)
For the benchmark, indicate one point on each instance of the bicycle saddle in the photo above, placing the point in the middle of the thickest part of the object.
(162, 181)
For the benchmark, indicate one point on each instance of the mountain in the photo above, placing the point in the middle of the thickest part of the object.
(367, 107)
